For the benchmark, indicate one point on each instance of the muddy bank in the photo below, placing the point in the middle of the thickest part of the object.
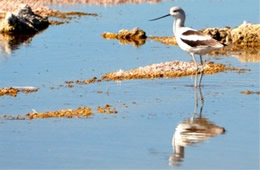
(100, 2)
(7, 5)
(13, 91)
(64, 17)
(64, 113)
(171, 69)
(109, 109)
(80, 112)
(248, 92)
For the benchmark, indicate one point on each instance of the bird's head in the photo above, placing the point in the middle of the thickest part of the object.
(176, 12)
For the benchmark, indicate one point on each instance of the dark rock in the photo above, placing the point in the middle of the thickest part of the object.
(23, 21)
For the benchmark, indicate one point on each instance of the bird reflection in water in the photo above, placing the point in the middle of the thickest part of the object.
(192, 131)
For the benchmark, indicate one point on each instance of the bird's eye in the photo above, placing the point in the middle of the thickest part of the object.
(176, 10)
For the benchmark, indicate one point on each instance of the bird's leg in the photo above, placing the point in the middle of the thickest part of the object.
(201, 62)
(202, 70)
(194, 60)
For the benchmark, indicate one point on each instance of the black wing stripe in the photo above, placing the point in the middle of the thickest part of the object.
(192, 32)
(210, 42)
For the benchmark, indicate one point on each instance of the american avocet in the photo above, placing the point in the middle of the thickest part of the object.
(188, 39)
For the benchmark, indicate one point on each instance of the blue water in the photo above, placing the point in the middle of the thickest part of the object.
(139, 136)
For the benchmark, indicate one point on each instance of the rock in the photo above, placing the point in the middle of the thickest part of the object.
(23, 21)
(220, 34)
(136, 36)
(246, 35)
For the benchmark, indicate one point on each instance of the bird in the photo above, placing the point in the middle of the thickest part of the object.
(190, 40)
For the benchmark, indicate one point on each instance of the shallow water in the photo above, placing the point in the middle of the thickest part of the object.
(140, 135)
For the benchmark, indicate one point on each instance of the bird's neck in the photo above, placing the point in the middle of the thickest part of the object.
(178, 23)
